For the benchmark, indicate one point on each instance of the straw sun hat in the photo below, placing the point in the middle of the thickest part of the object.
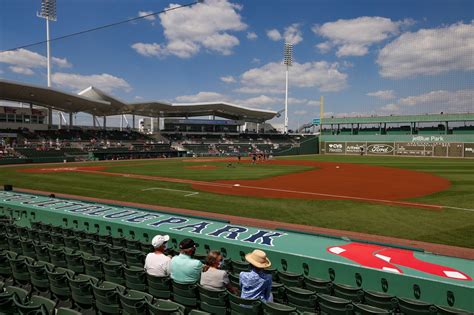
(258, 258)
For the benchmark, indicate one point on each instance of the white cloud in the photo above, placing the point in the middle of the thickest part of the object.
(354, 37)
(301, 112)
(149, 18)
(459, 101)
(22, 61)
(104, 81)
(252, 35)
(429, 52)
(202, 97)
(383, 94)
(274, 35)
(228, 79)
(270, 78)
(201, 26)
(21, 70)
(291, 34)
(259, 101)
(256, 60)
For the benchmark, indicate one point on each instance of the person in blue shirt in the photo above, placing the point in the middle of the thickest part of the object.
(184, 269)
(256, 284)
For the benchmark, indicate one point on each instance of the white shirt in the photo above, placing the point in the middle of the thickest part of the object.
(157, 265)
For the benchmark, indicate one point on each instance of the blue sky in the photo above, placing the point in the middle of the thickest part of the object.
(365, 57)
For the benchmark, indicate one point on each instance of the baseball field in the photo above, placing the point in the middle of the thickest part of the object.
(423, 199)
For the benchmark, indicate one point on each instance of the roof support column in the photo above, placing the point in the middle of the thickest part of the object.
(60, 120)
(447, 127)
(121, 122)
(105, 123)
(93, 121)
(50, 118)
(133, 122)
(71, 122)
(152, 129)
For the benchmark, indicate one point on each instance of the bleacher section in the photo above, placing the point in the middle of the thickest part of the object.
(44, 267)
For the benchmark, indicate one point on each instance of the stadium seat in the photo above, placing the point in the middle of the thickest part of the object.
(57, 256)
(239, 266)
(59, 284)
(33, 234)
(67, 311)
(93, 266)
(361, 309)
(148, 248)
(113, 272)
(348, 292)
(234, 280)
(213, 301)
(240, 305)
(135, 278)
(45, 237)
(57, 239)
(28, 247)
(117, 253)
(134, 302)
(163, 307)
(14, 244)
(74, 261)
(303, 300)
(134, 257)
(81, 291)
(278, 291)
(412, 307)
(119, 242)
(71, 242)
(271, 308)
(198, 312)
(5, 269)
(34, 305)
(331, 305)
(318, 285)
(4, 242)
(8, 298)
(86, 245)
(42, 252)
(20, 273)
(159, 287)
(106, 295)
(185, 294)
(290, 279)
(444, 310)
(133, 244)
(22, 232)
(39, 277)
(101, 249)
(380, 300)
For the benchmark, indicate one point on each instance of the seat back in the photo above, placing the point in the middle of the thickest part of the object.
(271, 308)
(412, 307)
(290, 279)
(318, 285)
(303, 300)
(159, 287)
(185, 294)
(135, 278)
(361, 309)
(380, 300)
(240, 305)
(81, 290)
(331, 305)
(348, 292)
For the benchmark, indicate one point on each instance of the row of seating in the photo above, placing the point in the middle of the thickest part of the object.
(304, 293)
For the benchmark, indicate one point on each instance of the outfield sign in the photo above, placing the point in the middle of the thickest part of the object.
(317, 121)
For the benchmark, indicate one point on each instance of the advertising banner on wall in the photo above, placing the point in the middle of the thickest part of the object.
(413, 149)
(335, 147)
(355, 148)
(469, 150)
(385, 148)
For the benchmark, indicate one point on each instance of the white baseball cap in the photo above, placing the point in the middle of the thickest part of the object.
(159, 240)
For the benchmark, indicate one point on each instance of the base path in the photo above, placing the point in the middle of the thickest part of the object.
(441, 249)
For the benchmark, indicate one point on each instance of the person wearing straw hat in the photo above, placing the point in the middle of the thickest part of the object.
(157, 263)
(256, 284)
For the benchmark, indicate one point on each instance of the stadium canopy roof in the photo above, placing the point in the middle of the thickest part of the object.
(97, 102)
(399, 119)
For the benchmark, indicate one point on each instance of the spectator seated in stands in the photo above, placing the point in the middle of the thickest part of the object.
(256, 284)
(212, 277)
(157, 263)
(185, 269)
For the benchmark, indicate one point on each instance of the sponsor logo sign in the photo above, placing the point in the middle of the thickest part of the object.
(355, 147)
(469, 149)
(335, 147)
(380, 149)
(427, 139)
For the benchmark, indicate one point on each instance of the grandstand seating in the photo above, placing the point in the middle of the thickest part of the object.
(44, 268)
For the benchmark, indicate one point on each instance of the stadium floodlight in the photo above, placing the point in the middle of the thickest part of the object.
(288, 54)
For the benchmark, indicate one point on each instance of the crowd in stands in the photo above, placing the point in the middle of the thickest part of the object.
(184, 269)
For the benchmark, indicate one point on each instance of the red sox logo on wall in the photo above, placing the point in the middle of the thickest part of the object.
(387, 259)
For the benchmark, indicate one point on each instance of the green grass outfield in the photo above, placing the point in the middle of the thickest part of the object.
(450, 226)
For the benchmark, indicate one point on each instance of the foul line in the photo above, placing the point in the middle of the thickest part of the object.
(223, 185)
(190, 193)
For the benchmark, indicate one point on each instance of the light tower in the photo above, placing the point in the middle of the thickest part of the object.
(48, 12)
(288, 62)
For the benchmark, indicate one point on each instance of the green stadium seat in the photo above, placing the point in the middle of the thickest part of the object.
(239, 266)
(93, 266)
(198, 312)
(134, 302)
(42, 252)
(106, 295)
(271, 308)
(74, 261)
(28, 247)
(412, 307)
(290, 279)
(22, 231)
(213, 301)
(79, 234)
(331, 305)
(91, 236)
(318, 285)
(113, 272)
(148, 248)
(33, 234)
(234, 280)
(36, 305)
(101, 249)
(134, 257)
(361, 309)
(117, 253)
(57, 239)
(278, 292)
(59, 284)
(81, 291)
(11, 229)
(135, 278)
(8, 298)
(107, 239)
(57, 256)
(444, 310)
(164, 307)
(39, 277)
(86, 245)
(4, 242)
(67, 311)
(185, 294)
(45, 237)
(14, 244)
(159, 287)
(380, 300)
(5, 269)
(243, 306)
(303, 300)
(72, 242)
(119, 241)
(20, 273)
(56, 229)
(348, 292)
(133, 244)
